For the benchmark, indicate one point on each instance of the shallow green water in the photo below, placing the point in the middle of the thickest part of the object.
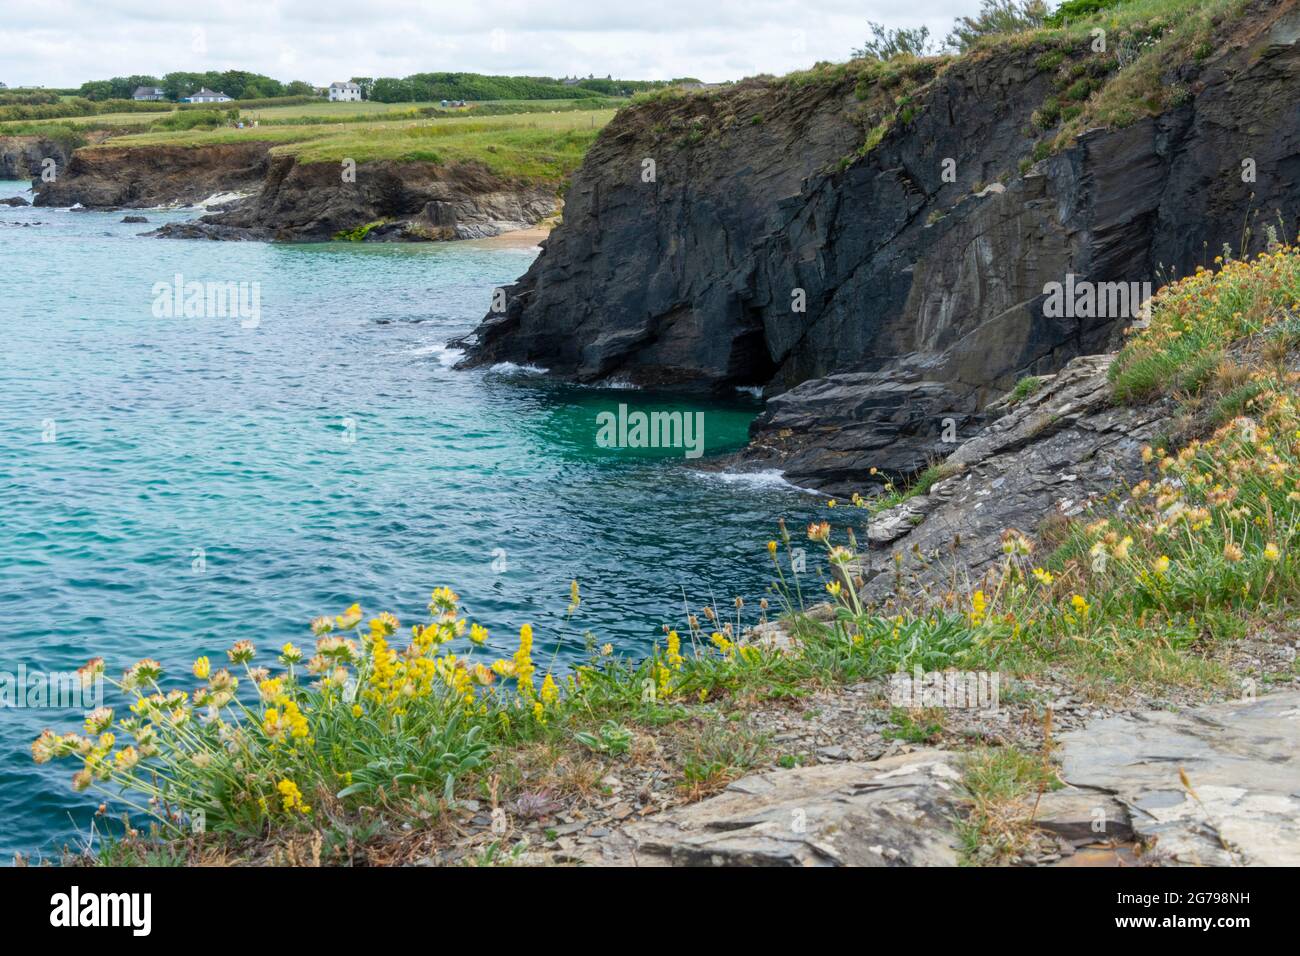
(329, 454)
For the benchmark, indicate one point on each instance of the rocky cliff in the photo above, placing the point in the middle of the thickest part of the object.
(387, 201)
(119, 177)
(284, 199)
(1046, 458)
(873, 246)
(22, 157)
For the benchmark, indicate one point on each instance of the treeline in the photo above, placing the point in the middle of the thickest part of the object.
(418, 88)
(478, 87)
(27, 97)
(237, 84)
(77, 106)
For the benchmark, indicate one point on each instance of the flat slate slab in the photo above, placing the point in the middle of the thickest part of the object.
(897, 811)
(1240, 805)
(1241, 760)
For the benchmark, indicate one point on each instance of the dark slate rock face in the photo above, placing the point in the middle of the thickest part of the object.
(413, 201)
(283, 199)
(1058, 452)
(924, 299)
(22, 157)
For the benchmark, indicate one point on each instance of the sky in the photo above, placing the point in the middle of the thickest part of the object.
(62, 43)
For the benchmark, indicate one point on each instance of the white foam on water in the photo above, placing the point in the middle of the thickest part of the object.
(615, 383)
(768, 479)
(755, 390)
(218, 198)
(510, 368)
(447, 356)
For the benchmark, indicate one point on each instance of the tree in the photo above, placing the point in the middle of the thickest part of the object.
(97, 90)
(388, 89)
(365, 82)
(118, 88)
(886, 44)
(995, 17)
(1072, 11)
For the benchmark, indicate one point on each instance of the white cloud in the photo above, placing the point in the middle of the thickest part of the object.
(65, 42)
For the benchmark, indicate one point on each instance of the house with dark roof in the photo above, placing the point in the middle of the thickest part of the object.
(143, 93)
(206, 95)
(344, 92)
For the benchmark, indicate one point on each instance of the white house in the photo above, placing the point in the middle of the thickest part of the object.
(344, 92)
(206, 95)
(148, 93)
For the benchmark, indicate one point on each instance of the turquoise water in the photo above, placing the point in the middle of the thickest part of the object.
(328, 455)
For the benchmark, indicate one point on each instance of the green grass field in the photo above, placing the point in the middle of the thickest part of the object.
(104, 120)
(533, 146)
(535, 140)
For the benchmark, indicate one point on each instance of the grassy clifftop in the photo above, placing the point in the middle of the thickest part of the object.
(1151, 54)
(533, 146)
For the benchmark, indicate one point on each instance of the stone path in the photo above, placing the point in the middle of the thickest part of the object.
(1210, 785)
(1216, 785)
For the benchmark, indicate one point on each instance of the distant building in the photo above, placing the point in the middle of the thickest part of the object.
(148, 93)
(206, 95)
(344, 93)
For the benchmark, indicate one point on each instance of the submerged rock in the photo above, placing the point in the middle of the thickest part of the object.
(199, 229)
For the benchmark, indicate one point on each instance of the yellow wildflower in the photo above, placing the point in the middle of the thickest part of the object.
(349, 618)
(291, 797)
(202, 668)
(99, 720)
(524, 662)
(674, 654)
(549, 693)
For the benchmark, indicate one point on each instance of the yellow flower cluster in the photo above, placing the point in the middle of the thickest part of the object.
(291, 797)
